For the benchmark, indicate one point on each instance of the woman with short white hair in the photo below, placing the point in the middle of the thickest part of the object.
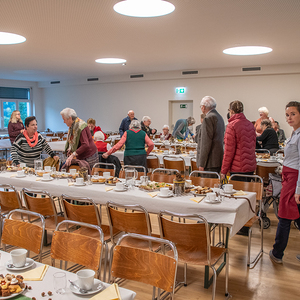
(145, 125)
(99, 142)
(263, 114)
(165, 135)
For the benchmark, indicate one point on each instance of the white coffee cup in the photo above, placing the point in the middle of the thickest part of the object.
(228, 188)
(188, 182)
(22, 165)
(273, 158)
(20, 173)
(18, 257)
(47, 168)
(120, 186)
(106, 175)
(72, 171)
(166, 152)
(164, 191)
(79, 180)
(46, 176)
(211, 196)
(85, 279)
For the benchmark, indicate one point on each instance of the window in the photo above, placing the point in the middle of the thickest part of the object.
(14, 99)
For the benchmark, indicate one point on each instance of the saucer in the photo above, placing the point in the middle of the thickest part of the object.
(229, 193)
(98, 286)
(79, 184)
(28, 264)
(165, 196)
(121, 190)
(43, 179)
(21, 176)
(212, 202)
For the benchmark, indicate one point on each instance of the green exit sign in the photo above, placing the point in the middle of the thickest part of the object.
(183, 105)
(180, 90)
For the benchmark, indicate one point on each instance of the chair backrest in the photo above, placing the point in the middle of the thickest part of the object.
(77, 248)
(205, 178)
(266, 151)
(50, 134)
(194, 164)
(97, 168)
(86, 213)
(153, 162)
(189, 237)
(116, 141)
(139, 173)
(24, 234)
(174, 162)
(279, 151)
(76, 167)
(163, 175)
(264, 171)
(55, 139)
(64, 138)
(145, 266)
(9, 198)
(157, 136)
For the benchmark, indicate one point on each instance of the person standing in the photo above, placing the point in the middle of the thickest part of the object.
(289, 203)
(198, 128)
(263, 115)
(124, 126)
(15, 125)
(181, 129)
(210, 148)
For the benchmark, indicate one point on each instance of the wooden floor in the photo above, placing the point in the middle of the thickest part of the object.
(265, 281)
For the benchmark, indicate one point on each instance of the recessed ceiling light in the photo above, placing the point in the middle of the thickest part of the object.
(144, 8)
(110, 61)
(7, 38)
(247, 50)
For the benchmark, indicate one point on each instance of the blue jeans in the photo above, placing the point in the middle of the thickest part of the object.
(282, 235)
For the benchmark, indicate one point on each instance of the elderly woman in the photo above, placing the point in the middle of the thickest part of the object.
(15, 125)
(29, 145)
(134, 140)
(145, 125)
(289, 203)
(263, 113)
(165, 135)
(80, 144)
(239, 143)
(268, 139)
(181, 129)
(99, 142)
(93, 128)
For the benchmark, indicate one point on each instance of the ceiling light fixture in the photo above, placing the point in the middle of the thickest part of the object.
(7, 38)
(144, 8)
(110, 61)
(247, 50)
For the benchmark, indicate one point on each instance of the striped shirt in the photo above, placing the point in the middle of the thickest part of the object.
(21, 152)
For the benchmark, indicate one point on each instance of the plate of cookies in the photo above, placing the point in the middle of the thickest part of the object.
(11, 286)
(98, 179)
(199, 190)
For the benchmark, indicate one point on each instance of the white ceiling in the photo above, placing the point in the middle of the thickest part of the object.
(64, 37)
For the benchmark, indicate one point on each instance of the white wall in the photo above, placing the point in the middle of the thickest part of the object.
(108, 103)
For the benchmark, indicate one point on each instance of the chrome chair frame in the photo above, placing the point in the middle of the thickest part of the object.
(106, 164)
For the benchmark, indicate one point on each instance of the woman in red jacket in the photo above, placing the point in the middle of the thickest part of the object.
(240, 141)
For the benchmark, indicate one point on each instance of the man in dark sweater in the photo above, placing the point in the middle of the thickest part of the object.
(126, 122)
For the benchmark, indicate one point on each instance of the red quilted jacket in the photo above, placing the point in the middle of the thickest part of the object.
(240, 142)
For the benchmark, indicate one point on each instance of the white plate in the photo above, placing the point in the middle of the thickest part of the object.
(28, 264)
(77, 184)
(43, 179)
(123, 190)
(232, 192)
(98, 286)
(212, 202)
(165, 196)
(14, 294)
(21, 176)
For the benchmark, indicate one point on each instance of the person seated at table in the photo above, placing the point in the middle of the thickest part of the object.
(268, 139)
(15, 125)
(93, 128)
(145, 125)
(99, 142)
(134, 139)
(29, 145)
(263, 113)
(165, 135)
(79, 144)
(181, 128)
(280, 132)
(124, 126)
(239, 143)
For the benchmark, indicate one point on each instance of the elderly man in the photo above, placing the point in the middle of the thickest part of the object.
(126, 122)
(181, 129)
(145, 126)
(210, 148)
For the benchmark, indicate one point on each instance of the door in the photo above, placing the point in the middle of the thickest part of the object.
(179, 110)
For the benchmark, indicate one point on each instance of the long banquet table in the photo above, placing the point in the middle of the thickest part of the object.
(233, 213)
(47, 283)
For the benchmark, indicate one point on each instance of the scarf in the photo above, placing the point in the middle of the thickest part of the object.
(31, 142)
(74, 135)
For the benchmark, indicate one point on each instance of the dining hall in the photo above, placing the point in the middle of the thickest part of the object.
(156, 154)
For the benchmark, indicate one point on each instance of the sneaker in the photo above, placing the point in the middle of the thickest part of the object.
(275, 259)
(298, 256)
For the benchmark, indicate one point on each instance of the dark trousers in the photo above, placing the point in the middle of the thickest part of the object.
(282, 235)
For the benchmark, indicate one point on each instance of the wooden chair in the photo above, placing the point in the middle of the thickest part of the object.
(145, 266)
(152, 162)
(50, 134)
(194, 164)
(77, 248)
(76, 167)
(24, 234)
(256, 186)
(263, 151)
(139, 173)
(87, 212)
(205, 178)
(64, 138)
(157, 136)
(174, 162)
(192, 241)
(116, 141)
(163, 175)
(279, 151)
(43, 203)
(111, 169)
(9, 198)
(264, 171)
(55, 139)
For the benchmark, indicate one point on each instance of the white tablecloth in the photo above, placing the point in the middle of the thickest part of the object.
(47, 284)
(57, 146)
(5, 144)
(234, 213)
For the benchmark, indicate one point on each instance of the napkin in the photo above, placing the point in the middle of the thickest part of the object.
(240, 193)
(38, 179)
(70, 183)
(36, 274)
(12, 176)
(108, 188)
(152, 195)
(110, 293)
(197, 199)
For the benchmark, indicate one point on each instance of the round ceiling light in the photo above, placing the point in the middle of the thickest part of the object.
(247, 50)
(144, 8)
(110, 61)
(7, 38)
